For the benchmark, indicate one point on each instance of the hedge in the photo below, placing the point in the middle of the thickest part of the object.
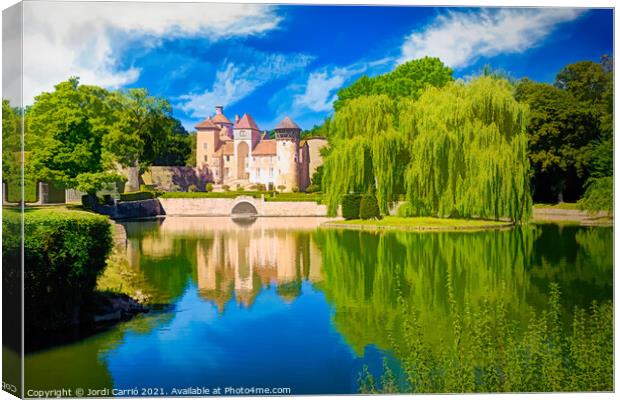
(135, 196)
(369, 207)
(351, 206)
(64, 253)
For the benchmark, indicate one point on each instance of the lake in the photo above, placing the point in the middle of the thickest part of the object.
(278, 302)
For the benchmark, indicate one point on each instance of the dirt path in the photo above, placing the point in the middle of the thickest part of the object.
(601, 218)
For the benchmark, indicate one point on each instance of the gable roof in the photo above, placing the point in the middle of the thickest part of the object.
(246, 122)
(287, 123)
(206, 124)
(265, 148)
(221, 119)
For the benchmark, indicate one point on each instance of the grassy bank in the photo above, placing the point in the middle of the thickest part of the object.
(417, 223)
(558, 206)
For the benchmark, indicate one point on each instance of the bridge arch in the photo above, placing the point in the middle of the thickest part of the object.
(244, 208)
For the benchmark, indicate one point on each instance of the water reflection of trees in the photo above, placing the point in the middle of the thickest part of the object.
(362, 272)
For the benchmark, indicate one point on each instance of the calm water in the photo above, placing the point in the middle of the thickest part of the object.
(280, 303)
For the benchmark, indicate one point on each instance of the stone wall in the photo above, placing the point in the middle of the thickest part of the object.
(176, 178)
(132, 209)
(223, 207)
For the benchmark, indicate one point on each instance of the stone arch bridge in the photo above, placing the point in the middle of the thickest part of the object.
(242, 205)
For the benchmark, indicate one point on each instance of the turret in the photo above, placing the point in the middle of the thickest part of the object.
(287, 134)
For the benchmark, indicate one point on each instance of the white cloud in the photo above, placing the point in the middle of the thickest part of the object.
(322, 85)
(460, 38)
(85, 39)
(233, 82)
(319, 93)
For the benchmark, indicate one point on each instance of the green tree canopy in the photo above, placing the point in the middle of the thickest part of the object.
(407, 80)
(68, 125)
(80, 133)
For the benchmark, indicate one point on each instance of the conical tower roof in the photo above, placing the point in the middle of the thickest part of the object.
(287, 123)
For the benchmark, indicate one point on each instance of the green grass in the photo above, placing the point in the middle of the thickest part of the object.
(316, 197)
(211, 195)
(558, 206)
(423, 222)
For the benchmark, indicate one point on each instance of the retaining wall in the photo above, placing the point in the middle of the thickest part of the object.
(223, 207)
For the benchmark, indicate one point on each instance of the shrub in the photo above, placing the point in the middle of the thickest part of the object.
(209, 187)
(226, 188)
(599, 195)
(64, 253)
(135, 196)
(281, 188)
(192, 188)
(369, 207)
(351, 206)
(295, 189)
(313, 188)
(405, 210)
(261, 187)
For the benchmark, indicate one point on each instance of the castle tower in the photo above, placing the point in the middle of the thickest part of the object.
(221, 121)
(287, 149)
(207, 142)
(246, 135)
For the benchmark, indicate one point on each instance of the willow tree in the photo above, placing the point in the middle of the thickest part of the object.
(355, 137)
(468, 151)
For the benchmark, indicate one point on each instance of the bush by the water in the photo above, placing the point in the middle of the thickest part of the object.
(405, 210)
(351, 206)
(489, 353)
(135, 196)
(369, 207)
(64, 253)
(599, 195)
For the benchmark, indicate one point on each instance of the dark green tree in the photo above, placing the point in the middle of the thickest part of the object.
(407, 80)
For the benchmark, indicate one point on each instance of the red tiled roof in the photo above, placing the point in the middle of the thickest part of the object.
(246, 122)
(287, 123)
(265, 148)
(207, 124)
(221, 119)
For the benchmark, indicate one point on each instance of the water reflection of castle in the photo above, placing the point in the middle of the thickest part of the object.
(237, 260)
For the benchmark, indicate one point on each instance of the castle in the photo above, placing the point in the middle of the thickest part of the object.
(240, 155)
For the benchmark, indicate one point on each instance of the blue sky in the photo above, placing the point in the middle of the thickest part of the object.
(273, 61)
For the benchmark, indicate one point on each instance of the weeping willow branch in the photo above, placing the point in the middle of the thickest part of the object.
(458, 151)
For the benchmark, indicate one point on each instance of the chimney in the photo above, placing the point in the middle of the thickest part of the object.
(237, 118)
(219, 109)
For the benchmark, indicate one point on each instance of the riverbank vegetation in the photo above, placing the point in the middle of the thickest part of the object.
(455, 149)
(77, 136)
(419, 223)
(374, 281)
(464, 149)
(64, 253)
(490, 353)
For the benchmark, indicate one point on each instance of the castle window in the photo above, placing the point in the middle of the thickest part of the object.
(258, 172)
(205, 146)
(206, 158)
(227, 158)
(271, 172)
